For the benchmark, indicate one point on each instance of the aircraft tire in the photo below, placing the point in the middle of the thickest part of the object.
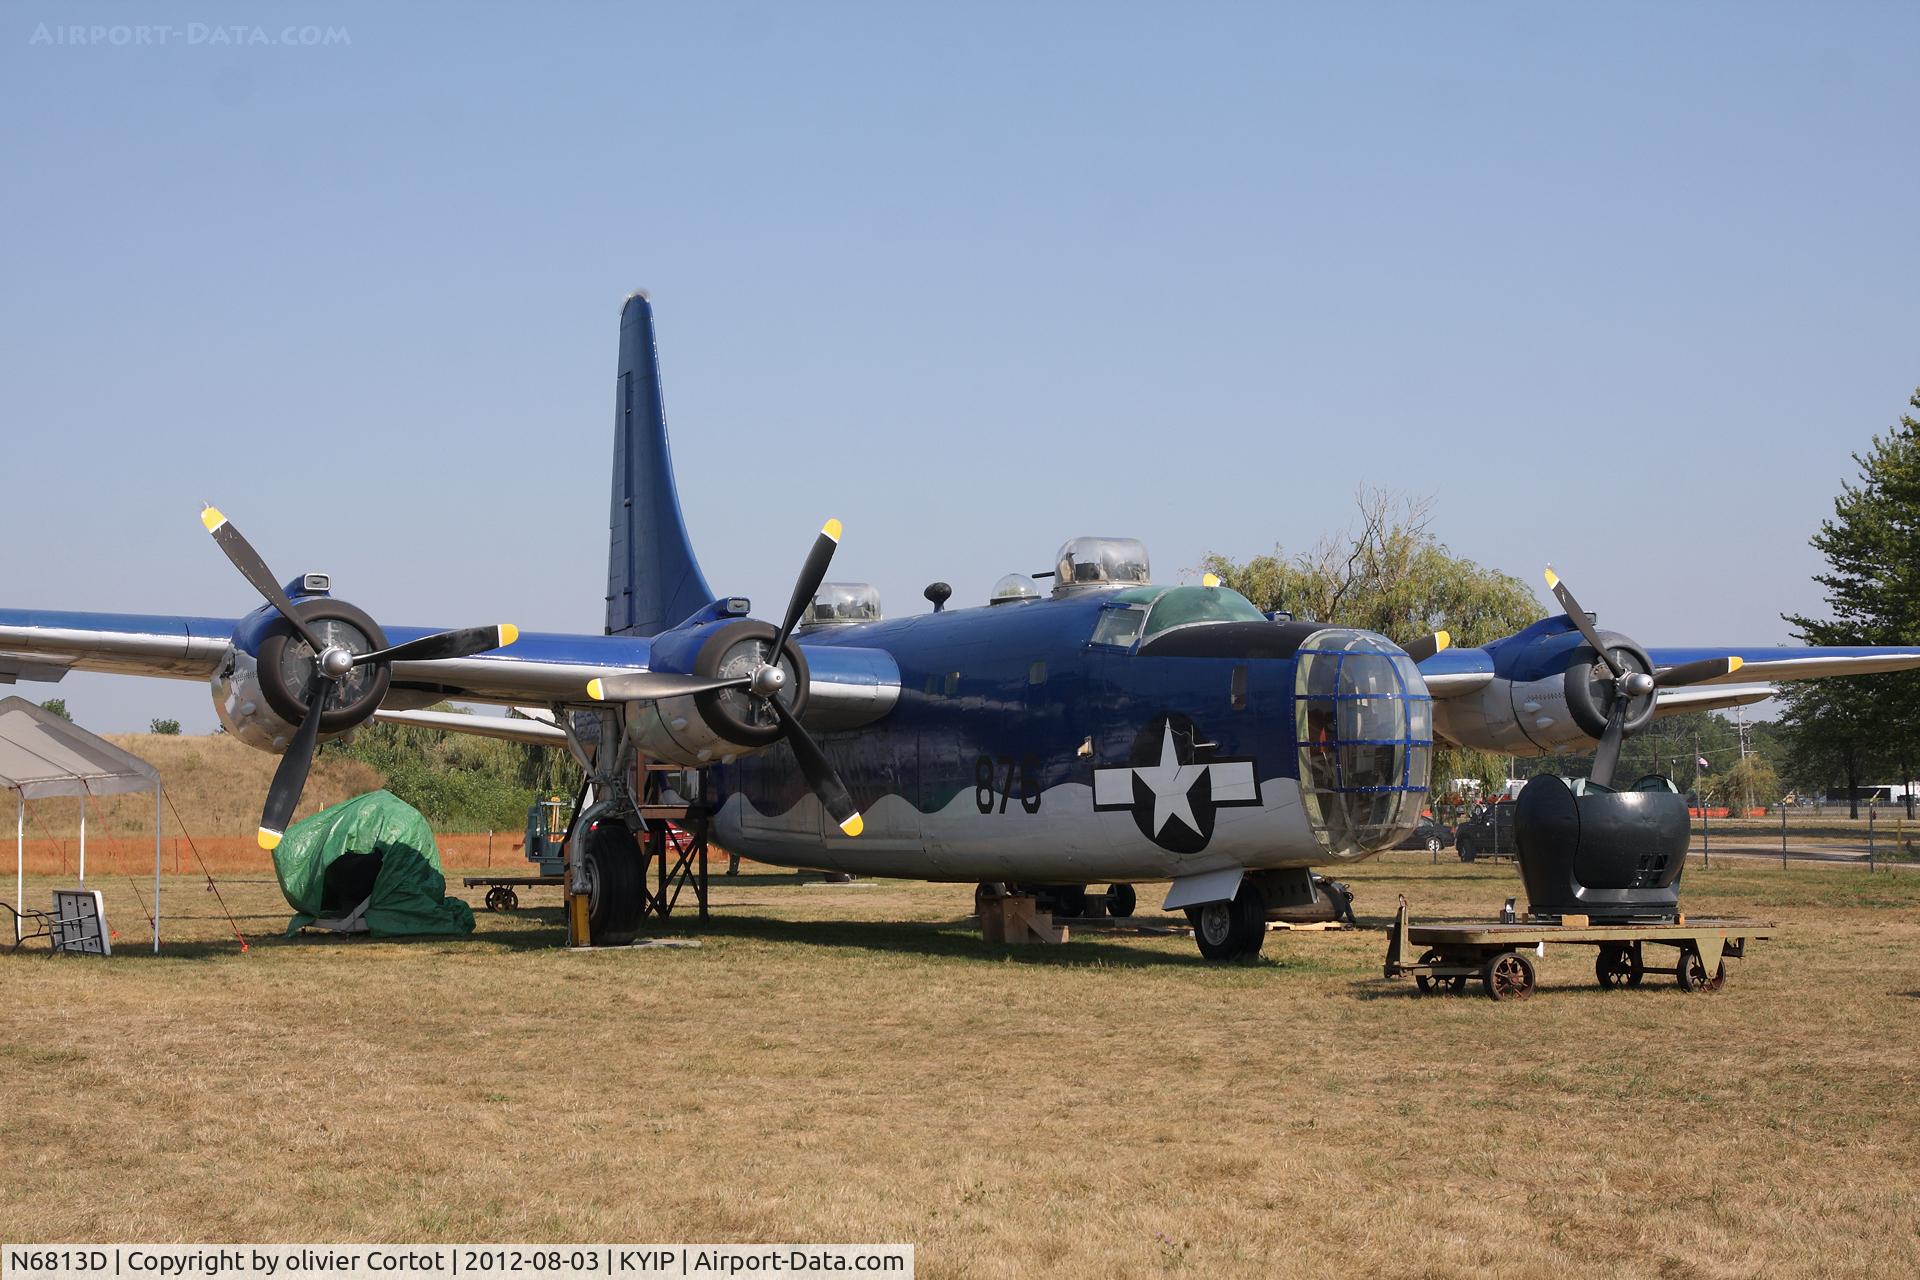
(1231, 930)
(616, 893)
(1121, 901)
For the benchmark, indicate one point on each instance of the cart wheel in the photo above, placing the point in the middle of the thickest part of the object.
(1427, 983)
(1692, 973)
(1509, 976)
(1618, 966)
(498, 898)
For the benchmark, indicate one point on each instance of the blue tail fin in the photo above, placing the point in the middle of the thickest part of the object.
(653, 581)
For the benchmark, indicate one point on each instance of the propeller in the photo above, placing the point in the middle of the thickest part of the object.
(1428, 645)
(1628, 684)
(765, 682)
(333, 663)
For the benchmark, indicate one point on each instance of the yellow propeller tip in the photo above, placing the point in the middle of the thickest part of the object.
(1553, 579)
(1734, 664)
(596, 691)
(832, 529)
(1210, 580)
(270, 840)
(1442, 640)
(854, 826)
(211, 518)
(508, 634)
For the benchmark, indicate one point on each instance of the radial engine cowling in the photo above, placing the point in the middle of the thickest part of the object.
(698, 729)
(260, 689)
(1553, 698)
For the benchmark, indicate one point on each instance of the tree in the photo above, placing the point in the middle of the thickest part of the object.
(1872, 549)
(58, 706)
(166, 728)
(1388, 573)
(1747, 784)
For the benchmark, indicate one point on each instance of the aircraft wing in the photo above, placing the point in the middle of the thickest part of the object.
(512, 728)
(1766, 662)
(1712, 697)
(538, 668)
(850, 685)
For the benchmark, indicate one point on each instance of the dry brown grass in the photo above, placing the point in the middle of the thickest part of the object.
(842, 1063)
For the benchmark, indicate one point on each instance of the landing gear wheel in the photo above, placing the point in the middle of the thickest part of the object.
(984, 892)
(1431, 984)
(1070, 901)
(615, 892)
(1509, 976)
(1693, 976)
(1618, 967)
(502, 898)
(1231, 930)
(1120, 901)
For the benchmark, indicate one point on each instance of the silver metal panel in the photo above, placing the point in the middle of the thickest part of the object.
(510, 728)
(174, 656)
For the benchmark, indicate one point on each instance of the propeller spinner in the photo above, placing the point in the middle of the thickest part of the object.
(334, 664)
(766, 684)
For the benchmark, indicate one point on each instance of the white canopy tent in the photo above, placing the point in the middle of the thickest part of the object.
(42, 755)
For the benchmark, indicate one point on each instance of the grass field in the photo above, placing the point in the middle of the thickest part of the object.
(845, 1063)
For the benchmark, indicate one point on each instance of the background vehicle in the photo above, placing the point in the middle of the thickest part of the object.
(1488, 833)
(1429, 835)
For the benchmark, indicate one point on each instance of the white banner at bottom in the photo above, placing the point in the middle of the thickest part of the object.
(446, 1261)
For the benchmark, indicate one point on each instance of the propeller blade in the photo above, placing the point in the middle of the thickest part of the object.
(1695, 672)
(1580, 620)
(812, 574)
(255, 571)
(1426, 646)
(283, 797)
(819, 773)
(651, 686)
(445, 644)
(1607, 757)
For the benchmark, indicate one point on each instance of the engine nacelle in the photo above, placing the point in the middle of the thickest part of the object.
(1549, 694)
(701, 728)
(260, 689)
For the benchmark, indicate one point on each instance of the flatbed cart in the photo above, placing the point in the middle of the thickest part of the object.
(500, 889)
(1497, 954)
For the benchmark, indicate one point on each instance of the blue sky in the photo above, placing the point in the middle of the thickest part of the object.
(1620, 287)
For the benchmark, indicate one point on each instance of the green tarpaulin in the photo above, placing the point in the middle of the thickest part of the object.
(368, 865)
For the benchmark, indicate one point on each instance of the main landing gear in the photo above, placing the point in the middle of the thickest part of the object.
(1231, 930)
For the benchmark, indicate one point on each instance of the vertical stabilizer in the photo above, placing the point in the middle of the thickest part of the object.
(653, 581)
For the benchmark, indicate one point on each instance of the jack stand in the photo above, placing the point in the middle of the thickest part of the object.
(578, 934)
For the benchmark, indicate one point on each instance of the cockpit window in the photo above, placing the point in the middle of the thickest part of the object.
(1120, 625)
(1364, 721)
(1184, 606)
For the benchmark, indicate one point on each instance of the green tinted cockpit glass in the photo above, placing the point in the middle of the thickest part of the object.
(1183, 606)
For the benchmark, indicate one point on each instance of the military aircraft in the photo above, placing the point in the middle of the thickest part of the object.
(1076, 726)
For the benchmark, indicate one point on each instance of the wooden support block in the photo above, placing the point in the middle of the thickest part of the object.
(1016, 920)
(1573, 922)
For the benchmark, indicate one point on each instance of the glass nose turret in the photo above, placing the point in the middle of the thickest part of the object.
(1364, 723)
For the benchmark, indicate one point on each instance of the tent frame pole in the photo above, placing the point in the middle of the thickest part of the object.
(19, 863)
(83, 837)
(156, 866)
